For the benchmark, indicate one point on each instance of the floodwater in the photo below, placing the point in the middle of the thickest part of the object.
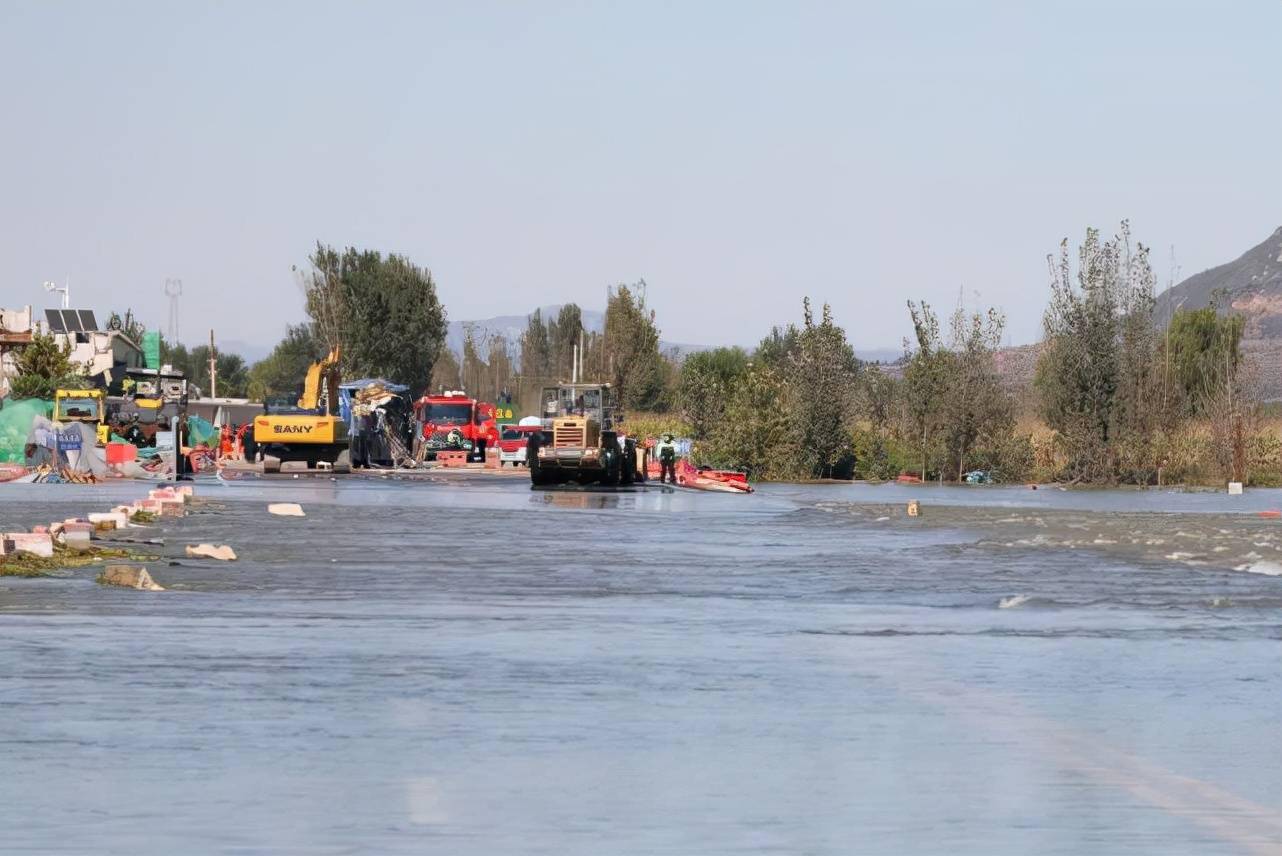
(478, 668)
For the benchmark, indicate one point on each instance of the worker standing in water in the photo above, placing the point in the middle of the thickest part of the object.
(667, 450)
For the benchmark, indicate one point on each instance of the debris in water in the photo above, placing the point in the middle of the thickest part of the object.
(128, 576)
(221, 552)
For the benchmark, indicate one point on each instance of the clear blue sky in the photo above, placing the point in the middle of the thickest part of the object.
(736, 155)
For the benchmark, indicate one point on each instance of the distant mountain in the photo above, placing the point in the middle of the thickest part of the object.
(880, 355)
(1252, 286)
(513, 326)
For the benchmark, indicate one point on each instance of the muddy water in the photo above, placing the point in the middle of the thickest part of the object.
(476, 668)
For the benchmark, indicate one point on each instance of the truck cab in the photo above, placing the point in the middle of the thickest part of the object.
(581, 441)
(454, 422)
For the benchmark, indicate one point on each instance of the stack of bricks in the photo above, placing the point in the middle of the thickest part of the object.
(75, 532)
(452, 459)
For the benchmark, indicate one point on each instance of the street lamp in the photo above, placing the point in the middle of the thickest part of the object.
(65, 290)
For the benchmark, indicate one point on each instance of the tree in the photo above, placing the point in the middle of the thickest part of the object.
(1095, 375)
(705, 382)
(43, 367)
(126, 323)
(233, 372)
(564, 333)
(778, 347)
(474, 368)
(501, 369)
(536, 349)
(446, 372)
(631, 356)
(926, 377)
(756, 432)
(823, 374)
(1203, 352)
(381, 310)
(975, 407)
(283, 370)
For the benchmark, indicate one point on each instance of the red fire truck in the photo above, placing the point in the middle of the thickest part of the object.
(454, 422)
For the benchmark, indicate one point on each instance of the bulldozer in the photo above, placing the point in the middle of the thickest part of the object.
(580, 442)
(310, 431)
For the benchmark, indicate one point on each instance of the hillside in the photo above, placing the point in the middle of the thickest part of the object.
(1252, 286)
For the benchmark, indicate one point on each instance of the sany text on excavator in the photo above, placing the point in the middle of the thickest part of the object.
(310, 431)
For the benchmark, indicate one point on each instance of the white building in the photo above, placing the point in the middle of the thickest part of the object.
(103, 354)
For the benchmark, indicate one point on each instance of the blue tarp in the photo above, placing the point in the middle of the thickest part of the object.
(347, 390)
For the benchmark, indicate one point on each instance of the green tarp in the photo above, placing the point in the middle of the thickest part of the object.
(151, 349)
(15, 424)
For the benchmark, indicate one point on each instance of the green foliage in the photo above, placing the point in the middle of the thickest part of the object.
(1007, 457)
(282, 371)
(1096, 377)
(879, 456)
(823, 372)
(43, 366)
(778, 348)
(565, 331)
(656, 425)
(447, 373)
(381, 310)
(630, 351)
(126, 323)
(489, 377)
(536, 348)
(233, 372)
(706, 378)
(1203, 352)
(756, 433)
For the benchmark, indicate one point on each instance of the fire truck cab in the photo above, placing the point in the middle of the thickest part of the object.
(453, 422)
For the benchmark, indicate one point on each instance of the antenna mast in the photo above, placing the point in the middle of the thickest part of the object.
(173, 290)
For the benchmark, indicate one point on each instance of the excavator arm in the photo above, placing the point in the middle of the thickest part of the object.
(327, 370)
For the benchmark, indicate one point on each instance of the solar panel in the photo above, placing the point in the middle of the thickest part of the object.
(87, 322)
(70, 321)
(54, 317)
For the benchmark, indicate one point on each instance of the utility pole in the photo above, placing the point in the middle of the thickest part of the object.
(213, 367)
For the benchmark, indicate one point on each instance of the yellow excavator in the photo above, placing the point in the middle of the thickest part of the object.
(310, 431)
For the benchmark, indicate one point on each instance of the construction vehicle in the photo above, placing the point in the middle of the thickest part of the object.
(454, 422)
(581, 442)
(309, 431)
(83, 405)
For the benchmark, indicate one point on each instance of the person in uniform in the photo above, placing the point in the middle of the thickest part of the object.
(667, 450)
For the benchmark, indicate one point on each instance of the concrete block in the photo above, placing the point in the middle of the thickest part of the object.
(172, 508)
(128, 576)
(286, 509)
(76, 539)
(109, 519)
(35, 543)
